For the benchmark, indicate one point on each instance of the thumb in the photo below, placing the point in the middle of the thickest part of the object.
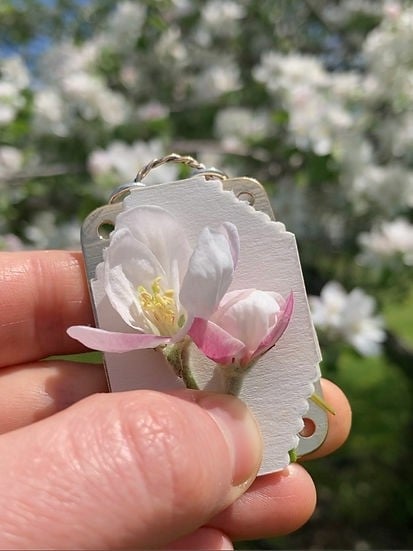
(124, 470)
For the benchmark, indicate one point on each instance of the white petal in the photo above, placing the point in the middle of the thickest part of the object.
(231, 233)
(210, 273)
(129, 264)
(161, 233)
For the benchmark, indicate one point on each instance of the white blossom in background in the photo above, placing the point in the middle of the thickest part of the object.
(74, 88)
(388, 187)
(397, 135)
(13, 69)
(183, 7)
(129, 76)
(10, 102)
(123, 27)
(349, 317)
(171, 48)
(389, 240)
(90, 95)
(11, 161)
(314, 99)
(67, 58)
(343, 12)
(388, 51)
(50, 113)
(285, 72)
(316, 122)
(119, 163)
(237, 126)
(350, 87)
(11, 243)
(45, 233)
(14, 78)
(354, 153)
(221, 17)
(217, 79)
(153, 110)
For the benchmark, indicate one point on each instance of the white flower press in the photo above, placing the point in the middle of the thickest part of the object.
(191, 272)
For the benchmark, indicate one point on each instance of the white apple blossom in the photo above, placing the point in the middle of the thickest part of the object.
(69, 77)
(170, 48)
(315, 100)
(183, 7)
(67, 58)
(157, 282)
(120, 162)
(285, 72)
(342, 13)
(10, 102)
(389, 187)
(218, 79)
(348, 316)
(316, 122)
(10, 242)
(51, 114)
(124, 26)
(11, 160)
(388, 53)
(221, 17)
(94, 99)
(153, 110)
(237, 125)
(388, 240)
(46, 233)
(13, 69)
(397, 135)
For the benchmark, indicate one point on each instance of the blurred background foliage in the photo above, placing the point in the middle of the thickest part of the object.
(314, 99)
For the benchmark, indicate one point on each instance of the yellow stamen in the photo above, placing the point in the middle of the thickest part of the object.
(160, 307)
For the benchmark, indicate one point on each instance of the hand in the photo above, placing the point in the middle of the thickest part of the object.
(136, 469)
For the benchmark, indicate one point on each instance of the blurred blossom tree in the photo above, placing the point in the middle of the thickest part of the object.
(313, 98)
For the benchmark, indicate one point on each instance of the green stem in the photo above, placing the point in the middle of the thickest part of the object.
(233, 378)
(177, 356)
(293, 456)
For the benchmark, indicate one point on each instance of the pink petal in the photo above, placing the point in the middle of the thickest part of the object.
(276, 333)
(110, 341)
(215, 342)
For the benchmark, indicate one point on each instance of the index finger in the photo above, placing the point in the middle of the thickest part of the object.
(42, 293)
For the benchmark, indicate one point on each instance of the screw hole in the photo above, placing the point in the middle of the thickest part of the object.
(247, 197)
(309, 428)
(105, 229)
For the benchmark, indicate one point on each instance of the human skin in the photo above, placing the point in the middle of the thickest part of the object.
(81, 468)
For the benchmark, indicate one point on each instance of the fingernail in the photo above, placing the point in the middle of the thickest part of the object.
(241, 432)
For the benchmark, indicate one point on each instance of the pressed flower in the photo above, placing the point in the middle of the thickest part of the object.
(155, 280)
(246, 324)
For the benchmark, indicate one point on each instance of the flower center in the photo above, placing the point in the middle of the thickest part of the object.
(159, 306)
